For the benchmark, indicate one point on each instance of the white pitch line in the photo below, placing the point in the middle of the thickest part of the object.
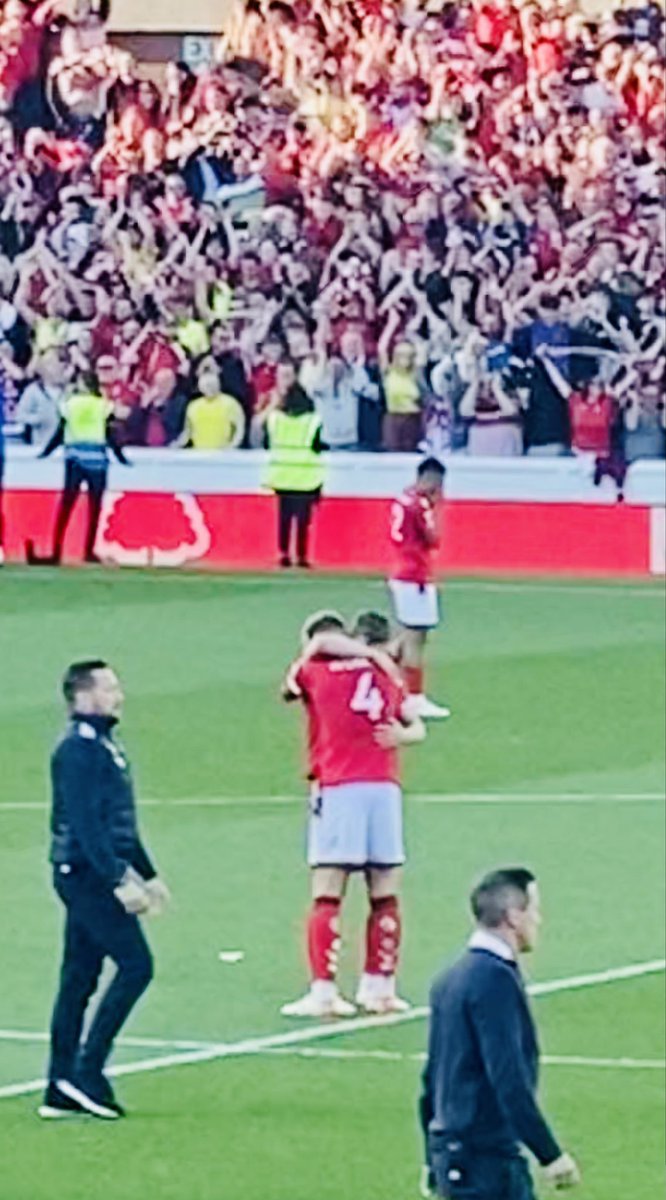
(585, 589)
(548, 1060)
(144, 1043)
(297, 1037)
(453, 798)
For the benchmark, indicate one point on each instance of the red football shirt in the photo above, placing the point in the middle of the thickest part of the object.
(346, 700)
(415, 536)
(591, 423)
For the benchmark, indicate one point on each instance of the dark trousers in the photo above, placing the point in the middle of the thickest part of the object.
(464, 1175)
(96, 927)
(295, 509)
(402, 432)
(76, 475)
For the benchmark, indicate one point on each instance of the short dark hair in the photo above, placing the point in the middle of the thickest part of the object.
(373, 628)
(499, 891)
(431, 466)
(323, 622)
(297, 402)
(79, 677)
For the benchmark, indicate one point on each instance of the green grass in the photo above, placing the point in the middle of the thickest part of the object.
(555, 691)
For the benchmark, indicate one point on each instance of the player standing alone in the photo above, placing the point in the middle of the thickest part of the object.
(415, 534)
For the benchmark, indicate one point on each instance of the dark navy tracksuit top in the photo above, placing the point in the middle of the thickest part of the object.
(94, 821)
(481, 1076)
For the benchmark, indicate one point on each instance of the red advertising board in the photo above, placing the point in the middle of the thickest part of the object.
(351, 533)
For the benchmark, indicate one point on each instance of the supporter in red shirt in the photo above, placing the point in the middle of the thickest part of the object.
(156, 352)
(264, 373)
(591, 414)
(492, 23)
(116, 387)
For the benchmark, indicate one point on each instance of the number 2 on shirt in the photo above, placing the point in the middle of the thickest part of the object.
(367, 698)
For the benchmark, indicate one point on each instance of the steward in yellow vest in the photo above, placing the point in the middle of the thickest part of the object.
(87, 437)
(295, 469)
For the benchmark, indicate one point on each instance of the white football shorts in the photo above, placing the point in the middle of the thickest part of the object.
(416, 605)
(356, 825)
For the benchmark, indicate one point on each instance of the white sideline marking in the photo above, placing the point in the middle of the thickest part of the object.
(419, 798)
(296, 1037)
(548, 1060)
(145, 1043)
(585, 589)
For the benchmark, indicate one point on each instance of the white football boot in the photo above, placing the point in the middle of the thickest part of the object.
(321, 1003)
(428, 710)
(377, 996)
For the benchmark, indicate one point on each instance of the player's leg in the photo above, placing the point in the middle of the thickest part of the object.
(413, 664)
(416, 609)
(96, 481)
(413, 659)
(324, 942)
(336, 844)
(386, 856)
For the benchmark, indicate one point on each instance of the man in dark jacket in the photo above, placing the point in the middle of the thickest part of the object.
(479, 1104)
(106, 880)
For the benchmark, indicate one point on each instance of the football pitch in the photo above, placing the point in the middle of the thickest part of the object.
(553, 758)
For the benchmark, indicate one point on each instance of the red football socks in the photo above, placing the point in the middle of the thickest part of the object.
(414, 680)
(324, 938)
(383, 937)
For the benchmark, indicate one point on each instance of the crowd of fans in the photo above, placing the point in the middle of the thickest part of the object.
(444, 220)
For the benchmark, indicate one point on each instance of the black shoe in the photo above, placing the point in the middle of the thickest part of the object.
(56, 1106)
(103, 1088)
(285, 561)
(93, 560)
(40, 560)
(91, 1098)
(304, 565)
(96, 1084)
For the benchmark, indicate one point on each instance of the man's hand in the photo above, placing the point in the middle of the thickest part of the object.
(390, 736)
(159, 896)
(563, 1173)
(426, 1183)
(132, 894)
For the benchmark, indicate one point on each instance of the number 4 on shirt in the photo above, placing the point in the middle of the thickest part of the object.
(368, 699)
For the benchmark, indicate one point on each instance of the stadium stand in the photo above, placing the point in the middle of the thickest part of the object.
(450, 217)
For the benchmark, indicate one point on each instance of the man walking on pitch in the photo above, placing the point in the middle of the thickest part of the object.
(105, 879)
(479, 1104)
(415, 537)
(358, 715)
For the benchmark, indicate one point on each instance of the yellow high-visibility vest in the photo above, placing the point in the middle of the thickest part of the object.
(222, 301)
(293, 465)
(193, 337)
(86, 416)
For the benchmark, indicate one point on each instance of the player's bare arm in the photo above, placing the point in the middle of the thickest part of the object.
(409, 730)
(291, 690)
(342, 645)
